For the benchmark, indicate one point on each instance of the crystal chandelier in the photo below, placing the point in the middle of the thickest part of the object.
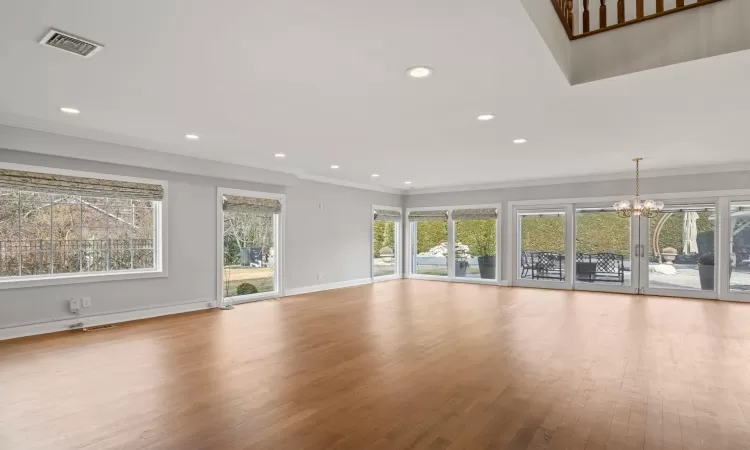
(647, 208)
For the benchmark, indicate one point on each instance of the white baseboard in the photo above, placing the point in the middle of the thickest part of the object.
(326, 287)
(32, 329)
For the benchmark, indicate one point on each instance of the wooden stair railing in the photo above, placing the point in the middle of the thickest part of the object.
(577, 20)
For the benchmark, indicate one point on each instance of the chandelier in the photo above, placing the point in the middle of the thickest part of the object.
(646, 208)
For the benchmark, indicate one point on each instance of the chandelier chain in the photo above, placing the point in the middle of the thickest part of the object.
(637, 177)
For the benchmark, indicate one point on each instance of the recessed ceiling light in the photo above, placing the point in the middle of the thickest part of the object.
(420, 72)
(407, 182)
(279, 155)
(485, 117)
(192, 137)
(375, 175)
(520, 141)
(68, 110)
(334, 166)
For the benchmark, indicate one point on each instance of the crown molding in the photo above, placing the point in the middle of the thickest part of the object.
(351, 184)
(740, 167)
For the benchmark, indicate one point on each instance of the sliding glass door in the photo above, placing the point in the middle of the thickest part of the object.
(739, 248)
(429, 243)
(249, 246)
(695, 247)
(605, 247)
(542, 248)
(386, 243)
(679, 248)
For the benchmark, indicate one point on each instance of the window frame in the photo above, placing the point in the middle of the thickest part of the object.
(450, 277)
(160, 238)
(279, 259)
(397, 242)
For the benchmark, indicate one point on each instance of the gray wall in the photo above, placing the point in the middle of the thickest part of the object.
(621, 187)
(333, 242)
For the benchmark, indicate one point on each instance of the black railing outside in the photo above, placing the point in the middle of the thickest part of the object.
(33, 257)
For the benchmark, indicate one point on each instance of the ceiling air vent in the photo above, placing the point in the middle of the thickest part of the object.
(70, 43)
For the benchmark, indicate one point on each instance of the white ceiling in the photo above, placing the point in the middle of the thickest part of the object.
(324, 81)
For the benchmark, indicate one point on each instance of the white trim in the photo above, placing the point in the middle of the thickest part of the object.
(417, 276)
(240, 299)
(541, 284)
(326, 287)
(279, 227)
(351, 184)
(396, 276)
(78, 277)
(475, 281)
(31, 329)
(581, 179)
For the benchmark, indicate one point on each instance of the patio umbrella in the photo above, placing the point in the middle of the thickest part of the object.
(690, 233)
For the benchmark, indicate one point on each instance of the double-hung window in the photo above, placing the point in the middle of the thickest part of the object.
(56, 226)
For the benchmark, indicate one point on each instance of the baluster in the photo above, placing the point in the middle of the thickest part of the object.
(586, 19)
(603, 14)
(569, 14)
(659, 6)
(681, 3)
(620, 11)
(639, 8)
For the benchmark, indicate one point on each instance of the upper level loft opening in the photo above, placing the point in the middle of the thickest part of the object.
(582, 18)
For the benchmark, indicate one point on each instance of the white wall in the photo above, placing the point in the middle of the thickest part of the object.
(334, 241)
(622, 187)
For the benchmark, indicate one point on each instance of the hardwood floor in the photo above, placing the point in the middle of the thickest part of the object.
(405, 364)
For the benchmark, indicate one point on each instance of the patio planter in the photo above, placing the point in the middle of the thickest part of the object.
(487, 266)
(706, 274)
(461, 267)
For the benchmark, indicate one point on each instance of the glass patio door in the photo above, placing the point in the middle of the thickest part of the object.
(606, 251)
(677, 251)
(543, 247)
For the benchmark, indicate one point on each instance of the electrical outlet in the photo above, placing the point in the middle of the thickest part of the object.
(320, 277)
(86, 302)
(322, 206)
(75, 305)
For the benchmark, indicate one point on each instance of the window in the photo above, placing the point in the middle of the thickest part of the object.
(739, 243)
(385, 242)
(55, 224)
(541, 245)
(250, 246)
(476, 243)
(429, 242)
(680, 238)
(602, 247)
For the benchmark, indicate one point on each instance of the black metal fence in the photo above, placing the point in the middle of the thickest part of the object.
(33, 257)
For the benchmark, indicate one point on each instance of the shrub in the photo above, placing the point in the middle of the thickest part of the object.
(706, 259)
(246, 289)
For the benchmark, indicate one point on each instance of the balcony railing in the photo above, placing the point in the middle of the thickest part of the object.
(40, 256)
(583, 18)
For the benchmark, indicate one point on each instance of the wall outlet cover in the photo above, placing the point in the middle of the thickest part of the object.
(86, 302)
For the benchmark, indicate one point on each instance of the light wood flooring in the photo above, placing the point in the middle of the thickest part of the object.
(399, 365)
